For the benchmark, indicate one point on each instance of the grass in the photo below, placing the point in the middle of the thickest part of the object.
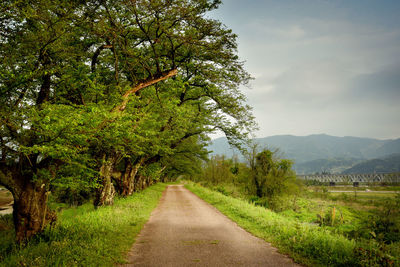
(307, 243)
(83, 236)
(365, 195)
(360, 188)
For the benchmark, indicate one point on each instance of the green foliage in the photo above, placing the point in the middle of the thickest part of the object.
(86, 84)
(332, 217)
(218, 170)
(271, 180)
(312, 182)
(383, 224)
(73, 196)
(68, 36)
(84, 236)
(377, 254)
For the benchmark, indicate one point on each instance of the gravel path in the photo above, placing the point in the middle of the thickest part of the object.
(186, 231)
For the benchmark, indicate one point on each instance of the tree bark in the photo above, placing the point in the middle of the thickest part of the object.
(143, 84)
(128, 183)
(149, 181)
(139, 183)
(31, 213)
(105, 194)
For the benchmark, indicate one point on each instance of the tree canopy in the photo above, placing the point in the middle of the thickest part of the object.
(104, 94)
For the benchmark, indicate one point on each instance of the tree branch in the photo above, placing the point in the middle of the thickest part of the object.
(96, 55)
(143, 84)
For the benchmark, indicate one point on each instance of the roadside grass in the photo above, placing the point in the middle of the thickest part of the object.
(305, 242)
(83, 236)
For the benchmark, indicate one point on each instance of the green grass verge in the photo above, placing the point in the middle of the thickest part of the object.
(83, 236)
(305, 243)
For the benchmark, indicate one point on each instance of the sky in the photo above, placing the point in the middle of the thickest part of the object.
(320, 66)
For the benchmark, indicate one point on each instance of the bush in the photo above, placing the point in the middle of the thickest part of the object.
(222, 190)
(374, 254)
(384, 224)
(72, 197)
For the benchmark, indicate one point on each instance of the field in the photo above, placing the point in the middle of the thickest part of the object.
(319, 227)
(83, 236)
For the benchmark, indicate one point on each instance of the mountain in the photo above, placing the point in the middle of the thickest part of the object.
(335, 165)
(381, 165)
(312, 147)
(389, 148)
(321, 152)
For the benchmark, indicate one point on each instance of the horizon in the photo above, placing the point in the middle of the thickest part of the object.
(257, 137)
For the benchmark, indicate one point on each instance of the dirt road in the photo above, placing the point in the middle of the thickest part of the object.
(6, 201)
(186, 231)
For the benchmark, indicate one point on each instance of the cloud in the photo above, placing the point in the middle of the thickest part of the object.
(322, 68)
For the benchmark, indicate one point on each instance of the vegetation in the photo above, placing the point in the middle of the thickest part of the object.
(265, 179)
(323, 153)
(104, 98)
(342, 233)
(356, 227)
(99, 98)
(83, 236)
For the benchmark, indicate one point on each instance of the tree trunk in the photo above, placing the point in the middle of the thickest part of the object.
(31, 213)
(139, 183)
(259, 192)
(142, 183)
(117, 178)
(149, 181)
(128, 183)
(105, 194)
(145, 182)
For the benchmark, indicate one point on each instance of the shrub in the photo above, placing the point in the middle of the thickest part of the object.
(332, 217)
(384, 223)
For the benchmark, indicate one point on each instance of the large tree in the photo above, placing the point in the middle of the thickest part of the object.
(153, 37)
(91, 87)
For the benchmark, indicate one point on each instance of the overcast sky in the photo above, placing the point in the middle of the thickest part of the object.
(320, 66)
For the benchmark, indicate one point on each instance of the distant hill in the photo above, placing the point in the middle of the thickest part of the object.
(335, 165)
(389, 148)
(316, 153)
(381, 165)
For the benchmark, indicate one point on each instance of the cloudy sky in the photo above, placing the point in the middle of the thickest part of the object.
(320, 66)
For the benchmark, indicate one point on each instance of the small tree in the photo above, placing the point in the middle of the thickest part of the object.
(271, 177)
